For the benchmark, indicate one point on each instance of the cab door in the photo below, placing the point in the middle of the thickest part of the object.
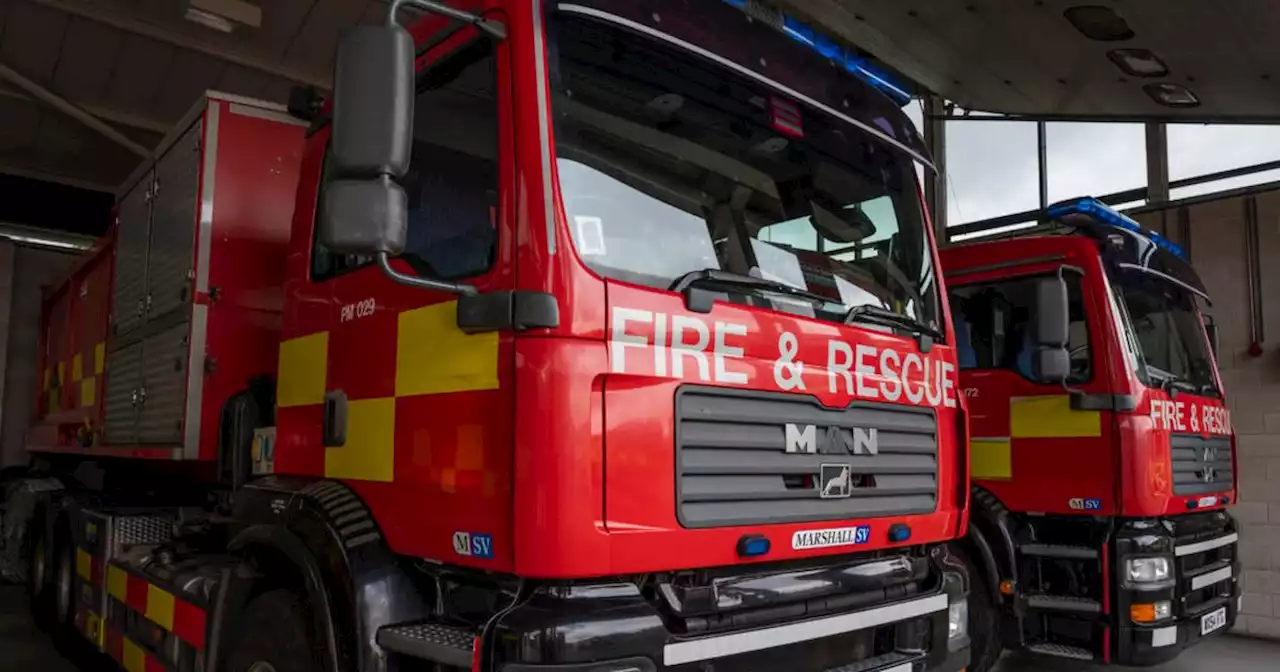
(416, 415)
(1037, 446)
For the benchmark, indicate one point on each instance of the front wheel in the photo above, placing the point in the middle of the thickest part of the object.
(274, 636)
(984, 622)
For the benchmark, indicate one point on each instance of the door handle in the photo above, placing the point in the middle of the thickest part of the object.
(335, 419)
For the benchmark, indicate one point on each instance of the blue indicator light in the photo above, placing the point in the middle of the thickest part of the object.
(899, 532)
(753, 545)
(1192, 504)
(825, 46)
(1105, 214)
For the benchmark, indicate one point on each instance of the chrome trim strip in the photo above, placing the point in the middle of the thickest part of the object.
(208, 182)
(595, 13)
(544, 122)
(256, 112)
(195, 383)
(706, 648)
(1203, 546)
(1211, 578)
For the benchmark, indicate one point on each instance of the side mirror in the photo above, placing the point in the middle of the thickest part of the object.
(1052, 362)
(365, 210)
(1211, 330)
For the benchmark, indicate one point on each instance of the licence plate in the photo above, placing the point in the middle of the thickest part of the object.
(1213, 621)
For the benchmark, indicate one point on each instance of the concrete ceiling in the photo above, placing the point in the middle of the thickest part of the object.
(1024, 57)
(138, 66)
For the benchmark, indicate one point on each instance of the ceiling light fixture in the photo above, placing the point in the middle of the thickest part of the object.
(209, 20)
(1172, 95)
(224, 15)
(1138, 62)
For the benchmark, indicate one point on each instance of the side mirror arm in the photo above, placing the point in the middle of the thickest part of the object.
(493, 29)
(384, 262)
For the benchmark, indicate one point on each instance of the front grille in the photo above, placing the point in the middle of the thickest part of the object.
(1205, 547)
(1200, 465)
(747, 458)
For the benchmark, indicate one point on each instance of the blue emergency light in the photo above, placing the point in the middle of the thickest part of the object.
(1104, 214)
(825, 46)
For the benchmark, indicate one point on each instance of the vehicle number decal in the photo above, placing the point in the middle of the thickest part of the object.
(359, 309)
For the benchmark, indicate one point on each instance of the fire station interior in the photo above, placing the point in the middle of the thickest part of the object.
(1167, 110)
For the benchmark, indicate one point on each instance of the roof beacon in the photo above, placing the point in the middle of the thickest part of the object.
(1103, 214)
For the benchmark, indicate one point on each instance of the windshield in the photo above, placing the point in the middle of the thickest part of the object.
(669, 163)
(1168, 336)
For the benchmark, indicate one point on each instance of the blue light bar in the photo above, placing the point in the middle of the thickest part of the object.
(1103, 213)
(825, 46)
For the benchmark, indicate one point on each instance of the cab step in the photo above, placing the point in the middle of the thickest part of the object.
(1059, 551)
(1059, 651)
(1080, 605)
(444, 644)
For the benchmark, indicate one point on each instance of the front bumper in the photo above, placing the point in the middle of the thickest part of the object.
(614, 628)
(1205, 584)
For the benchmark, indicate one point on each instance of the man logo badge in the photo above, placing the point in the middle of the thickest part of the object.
(1210, 455)
(815, 440)
(835, 481)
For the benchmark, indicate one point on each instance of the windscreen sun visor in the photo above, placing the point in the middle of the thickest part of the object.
(725, 33)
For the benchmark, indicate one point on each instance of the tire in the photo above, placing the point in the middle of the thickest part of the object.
(39, 588)
(274, 636)
(62, 586)
(985, 643)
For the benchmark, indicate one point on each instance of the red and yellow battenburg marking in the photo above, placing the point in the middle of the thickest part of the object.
(430, 356)
(174, 614)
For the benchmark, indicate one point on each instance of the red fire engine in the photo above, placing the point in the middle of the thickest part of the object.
(1102, 451)
(603, 336)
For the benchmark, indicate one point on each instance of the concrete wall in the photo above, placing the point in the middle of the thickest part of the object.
(24, 273)
(1218, 251)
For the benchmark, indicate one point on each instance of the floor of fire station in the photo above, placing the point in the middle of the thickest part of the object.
(23, 648)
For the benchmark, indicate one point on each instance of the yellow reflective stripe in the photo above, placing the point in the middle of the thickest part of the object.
(84, 564)
(160, 607)
(303, 363)
(77, 368)
(369, 452)
(1051, 417)
(99, 358)
(433, 356)
(990, 458)
(117, 583)
(93, 629)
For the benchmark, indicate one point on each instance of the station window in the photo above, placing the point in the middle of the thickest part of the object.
(452, 182)
(993, 326)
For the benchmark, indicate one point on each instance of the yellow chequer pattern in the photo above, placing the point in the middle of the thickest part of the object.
(86, 387)
(432, 357)
(1040, 417)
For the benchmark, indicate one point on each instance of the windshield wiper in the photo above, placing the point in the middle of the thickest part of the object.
(871, 314)
(701, 303)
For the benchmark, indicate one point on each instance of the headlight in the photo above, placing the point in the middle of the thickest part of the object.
(1147, 570)
(958, 619)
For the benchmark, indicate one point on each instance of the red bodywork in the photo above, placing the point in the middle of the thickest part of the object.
(245, 182)
(548, 440)
(1127, 466)
(569, 466)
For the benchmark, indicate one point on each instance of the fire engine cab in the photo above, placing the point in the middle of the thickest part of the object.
(1102, 452)
(602, 335)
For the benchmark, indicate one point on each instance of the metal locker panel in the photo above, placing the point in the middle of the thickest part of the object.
(173, 226)
(124, 383)
(164, 381)
(131, 257)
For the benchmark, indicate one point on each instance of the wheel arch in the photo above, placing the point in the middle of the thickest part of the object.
(321, 536)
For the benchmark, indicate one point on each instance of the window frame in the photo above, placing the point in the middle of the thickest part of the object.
(439, 72)
(1091, 340)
